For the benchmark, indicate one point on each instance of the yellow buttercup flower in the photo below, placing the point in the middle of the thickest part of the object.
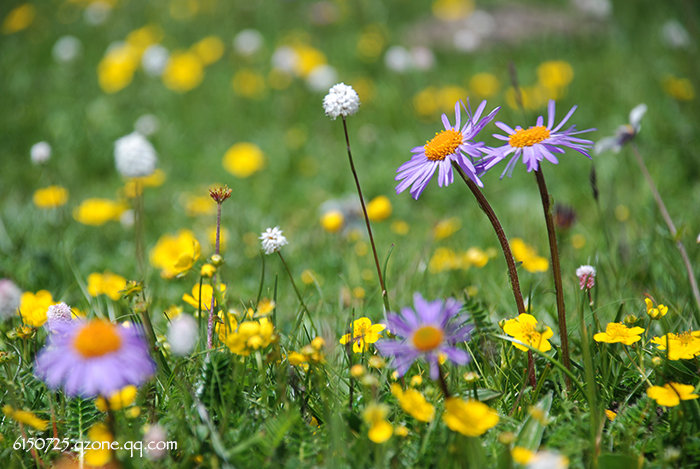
(106, 283)
(475, 257)
(19, 18)
(118, 400)
(671, 394)
(555, 76)
(446, 228)
(249, 336)
(528, 256)
(96, 212)
(451, 10)
(308, 58)
(413, 403)
(379, 208)
(332, 221)
(99, 457)
(484, 85)
(205, 295)
(400, 227)
(116, 69)
(363, 333)
(175, 254)
(248, 83)
(618, 332)
(683, 346)
(184, 71)
(525, 329)
(209, 50)
(244, 159)
(521, 455)
(655, 312)
(50, 197)
(470, 418)
(679, 88)
(33, 307)
(25, 417)
(380, 430)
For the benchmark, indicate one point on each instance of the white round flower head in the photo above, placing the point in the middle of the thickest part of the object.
(341, 100)
(40, 152)
(182, 335)
(398, 59)
(66, 49)
(154, 60)
(272, 240)
(127, 218)
(10, 296)
(97, 12)
(248, 41)
(135, 156)
(58, 313)
(285, 58)
(587, 270)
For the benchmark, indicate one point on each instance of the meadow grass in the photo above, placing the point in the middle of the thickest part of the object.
(255, 403)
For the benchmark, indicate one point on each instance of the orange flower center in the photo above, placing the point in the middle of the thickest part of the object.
(528, 137)
(442, 145)
(427, 338)
(97, 338)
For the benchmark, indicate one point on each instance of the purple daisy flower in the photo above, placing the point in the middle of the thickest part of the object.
(428, 331)
(535, 144)
(96, 357)
(451, 144)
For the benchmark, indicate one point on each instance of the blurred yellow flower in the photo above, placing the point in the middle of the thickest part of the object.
(533, 97)
(413, 403)
(363, 333)
(578, 241)
(683, 346)
(183, 72)
(207, 270)
(184, 9)
(19, 18)
(223, 237)
(470, 418)
(25, 417)
(618, 332)
(678, 88)
(379, 208)
(528, 256)
(400, 227)
(308, 58)
(140, 39)
(34, 306)
(175, 254)
(209, 50)
(248, 83)
(425, 102)
(50, 197)
(476, 257)
(611, 415)
(116, 69)
(249, 336)
(134, 186)
(308, 277)
(446, 228)
(118, 400)
(371, 43)
(106, 284)
(96, 212)
(555, 75)
(375, 416)
(332, 221)
(205, 296)
(244, 159)
(196, 205)
(521, 455)
(449, 95)
(101, 456)
(671, 394)
(484, 85)
(525, 329)
(443, 259)
(452, 10)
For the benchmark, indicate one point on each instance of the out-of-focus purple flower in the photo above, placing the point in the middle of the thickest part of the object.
(535, 143)
(586, 276)
(430, 330)
(96, 357)
(57, 314)
(452, 144)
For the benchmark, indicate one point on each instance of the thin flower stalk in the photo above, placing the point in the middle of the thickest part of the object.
(556, 268)
(671, 228)
(385, 296)
(219, 195)
(296, 290)
(500, 234)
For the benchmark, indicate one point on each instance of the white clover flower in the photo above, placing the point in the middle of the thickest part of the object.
(154, 60)
(10, 296)
(135, 156)
(182, 335)
(57, 314)
(272, 240)
(66, 49)
(40, 152)
(341, 100)
(248, 42)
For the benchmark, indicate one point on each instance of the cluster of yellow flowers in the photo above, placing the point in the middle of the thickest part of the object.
(106, 283)
(310, 353)
(526, 329)
(246, 337)
(34, 306)
(447, 259)
(526, 254)
(175, 254)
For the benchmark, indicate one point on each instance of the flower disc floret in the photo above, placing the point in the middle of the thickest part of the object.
(528, 137)
(442, 145)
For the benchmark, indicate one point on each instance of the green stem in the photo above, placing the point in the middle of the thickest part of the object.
(301, 299)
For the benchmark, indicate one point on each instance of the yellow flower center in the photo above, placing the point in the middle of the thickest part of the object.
(443, 144)
(427, 338)
(528, 137)
(97, 338)
(685, 338)
(615, 329)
